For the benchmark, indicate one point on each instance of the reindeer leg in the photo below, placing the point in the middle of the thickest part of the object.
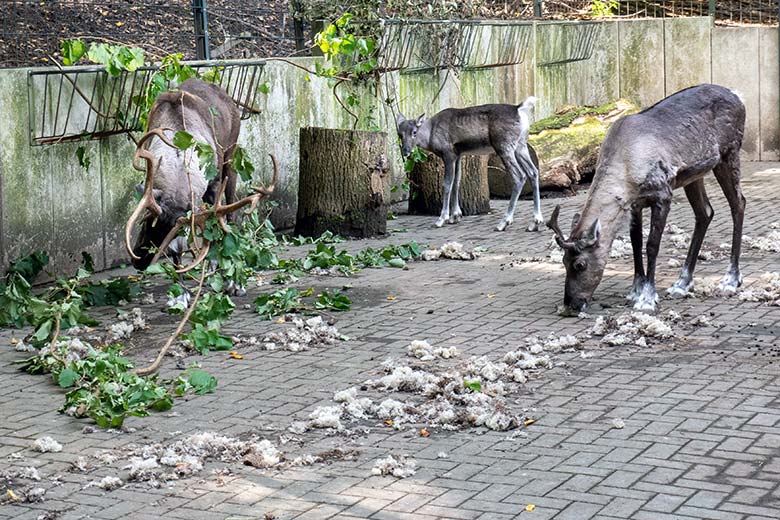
(727, 173)
(636, 247)
(518, 179)
(659, 210)
(457, 214)
(531, 171)
(703, 211)
(449, 178)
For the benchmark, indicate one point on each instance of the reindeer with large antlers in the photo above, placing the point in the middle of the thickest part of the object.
(175, 182)
(644, 157)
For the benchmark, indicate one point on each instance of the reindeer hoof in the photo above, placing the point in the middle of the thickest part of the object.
(647, 299)
(534, 226)
(439, 223)
(680, 290)
(455, 218)
(730, 283)
(503, 225)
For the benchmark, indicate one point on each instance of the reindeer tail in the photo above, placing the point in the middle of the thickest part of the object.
(528, 104)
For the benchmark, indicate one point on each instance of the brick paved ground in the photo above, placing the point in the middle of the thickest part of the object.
(700, 413)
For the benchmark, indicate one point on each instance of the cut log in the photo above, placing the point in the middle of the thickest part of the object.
(567, 144)
(427, 186)
(499, 182)
(344, 182)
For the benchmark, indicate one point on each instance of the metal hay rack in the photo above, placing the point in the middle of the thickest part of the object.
(81, 103)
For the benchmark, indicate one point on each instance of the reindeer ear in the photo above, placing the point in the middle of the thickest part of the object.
(594, 233)
(574, 220)
(399, 118)
(420, 120)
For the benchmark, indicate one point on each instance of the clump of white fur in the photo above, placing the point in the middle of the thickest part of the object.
(326, 417)
(450, 250)
(130, 322)
(304, 335)
(769, 242)
(631, 328)
(398, 466)
(109, 483)
(46, 444)
(768, 290)
(423, 351)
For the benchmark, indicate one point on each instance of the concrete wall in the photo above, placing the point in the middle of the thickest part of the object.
(49, 202)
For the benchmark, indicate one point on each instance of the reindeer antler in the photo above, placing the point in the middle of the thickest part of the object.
(553, 224)
(199, 219)
(147, 199)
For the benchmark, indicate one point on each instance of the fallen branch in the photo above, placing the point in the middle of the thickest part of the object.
(155, 366)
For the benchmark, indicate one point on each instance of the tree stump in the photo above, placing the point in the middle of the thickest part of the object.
(567, 144)
(344, 182)
(427, 186)
(500, 182)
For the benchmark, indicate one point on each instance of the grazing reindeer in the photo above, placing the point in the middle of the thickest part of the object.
(484, 129)
(174, 181)
(643, 158)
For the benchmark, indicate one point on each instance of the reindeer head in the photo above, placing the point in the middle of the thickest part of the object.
(584, 260)
(407, 132)
(158, 214)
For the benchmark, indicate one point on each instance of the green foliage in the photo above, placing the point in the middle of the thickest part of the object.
(348, 55)
(389, 256)
(604, 8)
(213, 309)
(84, 159)
(116, 58)
(207, 337)
(279, 302)
(336, 301)
(418, 155)
(325, 257)
(196, 380)
(206, 159)
(474, 386)
(264, 88)
(242, 165)
(72, 51)
(327, 237)
(109, 292)
(106, 391)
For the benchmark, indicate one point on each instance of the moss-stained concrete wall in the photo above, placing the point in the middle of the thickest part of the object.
(49, 202)
(641, 61)
(769, 97)
(740, 72)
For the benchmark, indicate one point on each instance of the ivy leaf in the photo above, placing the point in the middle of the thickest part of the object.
(183, 140)
(264, 88)
(67, 378)
(72, 51)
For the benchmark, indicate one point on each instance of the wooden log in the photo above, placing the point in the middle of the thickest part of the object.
(427, 186)
(499, 182)
(344, 182)
(567, 144)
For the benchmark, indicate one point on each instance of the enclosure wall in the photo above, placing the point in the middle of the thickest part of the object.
(50, 202)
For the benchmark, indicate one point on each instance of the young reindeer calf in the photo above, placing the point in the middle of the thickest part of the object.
(479, 130)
